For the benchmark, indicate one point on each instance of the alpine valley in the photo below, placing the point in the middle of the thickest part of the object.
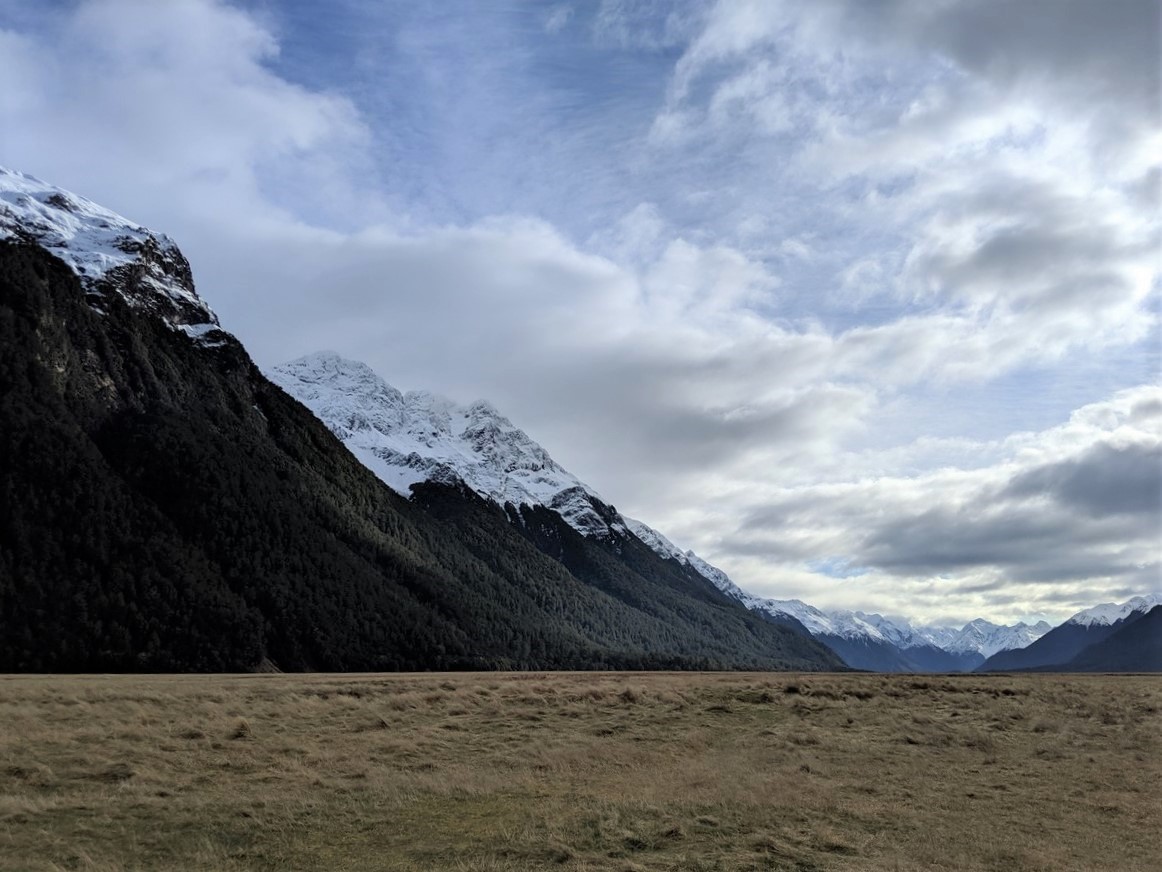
(165, 507)
(416, 438)
(168, 507)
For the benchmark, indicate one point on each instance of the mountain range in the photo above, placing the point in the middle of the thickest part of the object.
(169, 506)
(406, 439)
(1102, 638)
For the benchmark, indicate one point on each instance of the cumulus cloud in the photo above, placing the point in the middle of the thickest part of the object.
(143, 102)
(984, 158)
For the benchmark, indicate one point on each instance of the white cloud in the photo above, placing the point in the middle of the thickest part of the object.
(833, 212)
(1057, 519)
(991, 173)
(145, 103)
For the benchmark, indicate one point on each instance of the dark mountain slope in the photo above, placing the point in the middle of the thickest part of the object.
(1135, 646)
(164, 507)
(1057, 647)
(870, 654)
(670, 596)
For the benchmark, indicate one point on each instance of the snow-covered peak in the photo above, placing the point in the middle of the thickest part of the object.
(658, 543)
(106, 250)
(845, 624)
(817, 622)
(1111, 613)
(409, 438)
(347, 395)
(980, 636)
(987, 638)
(897, 631)
(938, 635)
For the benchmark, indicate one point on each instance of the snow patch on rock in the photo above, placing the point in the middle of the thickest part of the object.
(410, 438)
(107, 251)
(1110, 613)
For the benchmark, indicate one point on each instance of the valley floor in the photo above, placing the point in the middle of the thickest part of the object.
(580, 772)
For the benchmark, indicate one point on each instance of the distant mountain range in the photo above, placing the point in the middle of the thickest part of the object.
(1103, 638)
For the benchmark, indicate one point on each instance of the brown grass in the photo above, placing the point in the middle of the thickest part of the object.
(580, 772)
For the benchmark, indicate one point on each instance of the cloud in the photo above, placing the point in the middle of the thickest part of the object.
(645, 24)
(168, 112)
(1107, 479)
(810, 287)
(558, 18)
(1072, 512)
(967, 145)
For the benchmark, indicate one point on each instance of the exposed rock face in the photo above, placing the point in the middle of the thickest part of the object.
(109, 253)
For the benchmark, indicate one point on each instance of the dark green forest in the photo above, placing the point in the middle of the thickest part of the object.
(163, 507)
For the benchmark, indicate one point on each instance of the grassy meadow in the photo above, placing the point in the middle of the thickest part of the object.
(580, 772)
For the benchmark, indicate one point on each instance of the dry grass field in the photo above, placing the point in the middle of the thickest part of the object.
(580, 772)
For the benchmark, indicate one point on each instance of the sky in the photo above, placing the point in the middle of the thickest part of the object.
(858, 299)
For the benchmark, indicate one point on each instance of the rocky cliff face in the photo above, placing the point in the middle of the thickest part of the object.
(109, 253)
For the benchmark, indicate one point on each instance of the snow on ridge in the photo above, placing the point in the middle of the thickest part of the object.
(987, 638)
(817, 622)
(666, 549)
(660, 545)
(979, 636)
(1110, 613)
(98, 244)
(410, 438)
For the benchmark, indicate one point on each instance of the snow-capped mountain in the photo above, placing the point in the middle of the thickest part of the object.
(418, 436)
(109, 253)
(1058, 647)
(976, 637)
(408, 438)
(667, 549)
(844, 624)
(1108, 614)
(413, 437)
(131, 455)
(986, 638)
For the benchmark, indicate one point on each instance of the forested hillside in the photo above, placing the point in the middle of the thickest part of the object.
(164, 507)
